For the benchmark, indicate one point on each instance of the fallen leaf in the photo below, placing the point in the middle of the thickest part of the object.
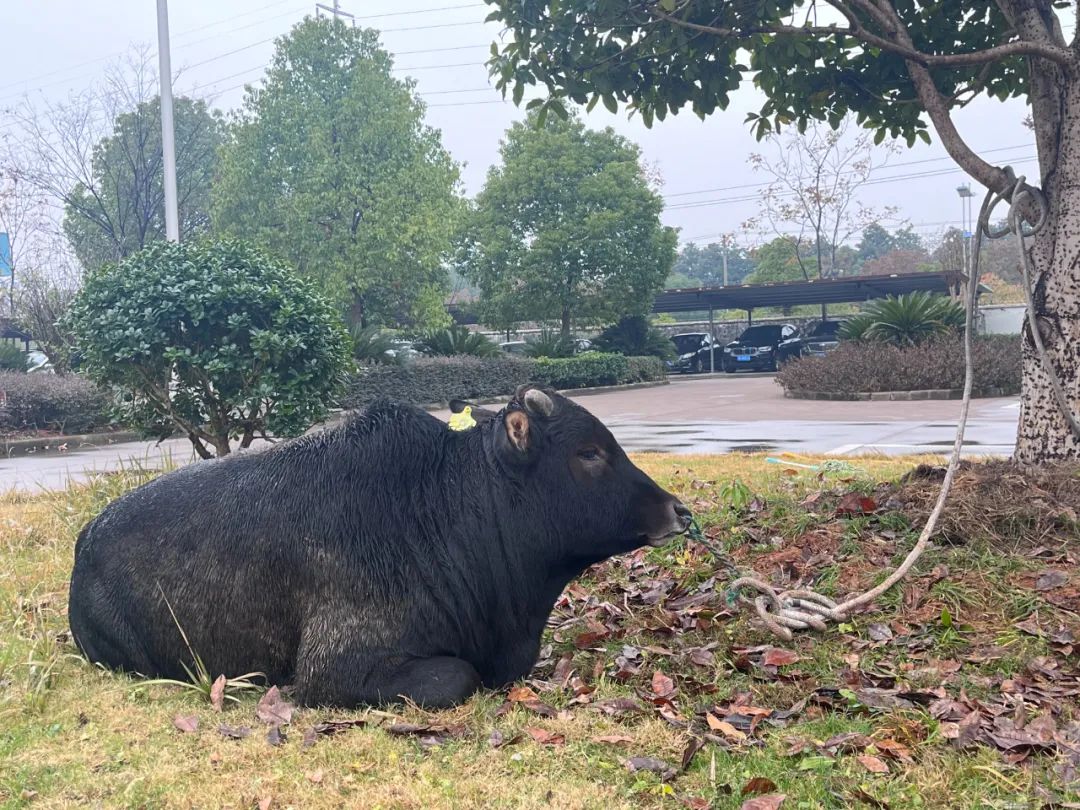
(662, 685)
(617, 705)
(234, 732)
(967, 730)
(758, 785)
(315, 777)
(217, 694)
(545, 737)
(724, 727)
(771, 801)
(539, 707)
(563, 670)
(867, 799)
(650, 764)
(873, 764)
(329, 728)
(777, 657)
(275, 736)
(692, 747)
(696, 803)
(855, 504)
(264, 804)
(274, 709)
(520, 694)
(187, 723)
(612, 739)
(879, 632)
(1050, 579)
(1030, 626)
(702, 657)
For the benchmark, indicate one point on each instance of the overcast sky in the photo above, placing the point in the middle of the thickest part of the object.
(61, 46)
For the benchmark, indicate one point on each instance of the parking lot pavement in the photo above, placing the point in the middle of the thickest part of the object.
(703, 414)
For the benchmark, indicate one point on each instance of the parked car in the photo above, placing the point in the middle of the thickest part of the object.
(756, 348)
(819, 341)
(37, 361)
(693, 350)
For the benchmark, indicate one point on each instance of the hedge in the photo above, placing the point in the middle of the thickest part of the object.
(870, 367)
(40, 401)
(429, 380)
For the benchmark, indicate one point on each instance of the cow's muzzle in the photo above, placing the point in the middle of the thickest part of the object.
(680, 520)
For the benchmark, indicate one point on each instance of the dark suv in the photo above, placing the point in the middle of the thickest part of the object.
(818, 342)
(756, 348)
(693, 350)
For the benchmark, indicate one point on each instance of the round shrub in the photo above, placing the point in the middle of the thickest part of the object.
(214, 339)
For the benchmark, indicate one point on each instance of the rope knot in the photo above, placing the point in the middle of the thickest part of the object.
(784, 611)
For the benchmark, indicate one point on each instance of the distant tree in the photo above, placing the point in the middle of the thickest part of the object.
(567, 228)
(895, 261)
(49, 278)
(98, 156)
(875, 242)
(331, 167)
(816, 177)
(706, 264)
(782, 260)
(214, 339)
(906, 239)
(634, 336)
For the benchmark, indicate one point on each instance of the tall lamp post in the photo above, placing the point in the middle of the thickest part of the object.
(966, 194)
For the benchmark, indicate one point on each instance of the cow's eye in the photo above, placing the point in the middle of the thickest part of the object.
(589, 454)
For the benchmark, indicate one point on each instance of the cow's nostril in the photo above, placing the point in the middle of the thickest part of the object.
(685, 515)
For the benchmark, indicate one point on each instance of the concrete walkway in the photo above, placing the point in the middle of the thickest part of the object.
(707, 414)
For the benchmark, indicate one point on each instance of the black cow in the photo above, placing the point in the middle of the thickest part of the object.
(389, 557)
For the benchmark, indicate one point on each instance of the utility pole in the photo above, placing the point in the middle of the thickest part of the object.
(334, 11)
(168, 133)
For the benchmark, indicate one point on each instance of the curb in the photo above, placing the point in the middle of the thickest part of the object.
(9, 446)
(896, 396)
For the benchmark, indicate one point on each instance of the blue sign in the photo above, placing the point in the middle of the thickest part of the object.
(5, 256)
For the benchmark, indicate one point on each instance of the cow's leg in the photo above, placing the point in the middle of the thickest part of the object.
(350, 680)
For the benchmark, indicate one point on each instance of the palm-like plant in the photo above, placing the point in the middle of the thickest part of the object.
(907, 320)
(550, 344)
(374, 345)
(633, 335)
(455, 341)
(856, 327)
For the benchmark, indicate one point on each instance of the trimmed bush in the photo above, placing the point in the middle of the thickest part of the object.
(431, 380)
(428, 380)
(935, 364)
(12, 358)
(69, 404)
(584, 371)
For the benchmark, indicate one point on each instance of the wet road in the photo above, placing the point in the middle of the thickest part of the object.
(742, 413)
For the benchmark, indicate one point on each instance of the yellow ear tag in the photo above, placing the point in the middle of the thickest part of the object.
(463, 420)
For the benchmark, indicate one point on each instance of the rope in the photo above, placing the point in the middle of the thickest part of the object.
(784, 611)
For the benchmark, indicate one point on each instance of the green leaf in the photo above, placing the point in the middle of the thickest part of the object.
(610, 103)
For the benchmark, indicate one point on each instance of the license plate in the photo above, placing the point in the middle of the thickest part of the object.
(743, 358)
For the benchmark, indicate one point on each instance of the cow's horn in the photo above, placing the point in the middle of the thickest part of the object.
(539, 402)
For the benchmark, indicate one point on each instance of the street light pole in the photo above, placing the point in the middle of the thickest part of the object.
(168, 132)
(966, 194)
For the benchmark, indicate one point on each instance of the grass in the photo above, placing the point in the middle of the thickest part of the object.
(74, 735)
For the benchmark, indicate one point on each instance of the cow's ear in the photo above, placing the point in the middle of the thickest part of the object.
(517, 430)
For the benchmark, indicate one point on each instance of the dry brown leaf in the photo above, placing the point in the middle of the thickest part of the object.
(612, 739)
(873, 764)
(217, 694)
(187, 723)
(545, 737)
(778, 657)
(724, 727)
(315, 777)
(758, 785)
(520, 694)
(770, 802)
(662, 685)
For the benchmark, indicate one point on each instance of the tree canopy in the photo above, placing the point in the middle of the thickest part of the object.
(121, 209)
(567, 228)
(331, 167)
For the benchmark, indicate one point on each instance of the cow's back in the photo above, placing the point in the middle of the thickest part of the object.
(243, 548)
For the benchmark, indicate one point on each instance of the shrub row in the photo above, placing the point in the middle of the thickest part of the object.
(69, 404)
(439, 379)
(857, 367)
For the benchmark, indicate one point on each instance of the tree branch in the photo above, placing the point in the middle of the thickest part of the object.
(857, 30)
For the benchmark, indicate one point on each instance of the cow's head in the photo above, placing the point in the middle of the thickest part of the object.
(601, 503)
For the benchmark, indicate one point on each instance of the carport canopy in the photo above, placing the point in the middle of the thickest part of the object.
(845, 289)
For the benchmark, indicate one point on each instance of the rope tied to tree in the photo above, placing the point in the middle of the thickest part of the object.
(800, 609)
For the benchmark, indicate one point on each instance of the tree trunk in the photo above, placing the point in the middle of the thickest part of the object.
(566, 323)
(1044, 434)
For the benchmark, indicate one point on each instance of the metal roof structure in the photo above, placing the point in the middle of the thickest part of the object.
(845, 289)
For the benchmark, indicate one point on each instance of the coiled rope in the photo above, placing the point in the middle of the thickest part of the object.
(784, 611)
